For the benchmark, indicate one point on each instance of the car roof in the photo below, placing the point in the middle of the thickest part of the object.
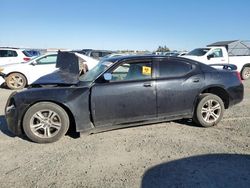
(141, 57)
(134, 57)
(12, 49)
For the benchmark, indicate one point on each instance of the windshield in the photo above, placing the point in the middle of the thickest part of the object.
(199, 51)
(91, 75)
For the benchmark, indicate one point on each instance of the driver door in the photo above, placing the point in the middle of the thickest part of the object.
(129, 97)
(216, 56)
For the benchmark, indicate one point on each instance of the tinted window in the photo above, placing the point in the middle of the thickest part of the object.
(132, 71)
(199, 51)
(169, 69)
(47, 60)
(8, 53)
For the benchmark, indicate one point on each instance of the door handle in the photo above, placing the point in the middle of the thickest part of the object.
(147, 84)
(196, 80)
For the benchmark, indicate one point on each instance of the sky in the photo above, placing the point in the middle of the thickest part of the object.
(122, 24)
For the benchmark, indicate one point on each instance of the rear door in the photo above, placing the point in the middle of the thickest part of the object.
(129, 97)
(178, 84)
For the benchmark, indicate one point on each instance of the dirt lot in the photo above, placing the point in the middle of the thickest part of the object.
(172, 154)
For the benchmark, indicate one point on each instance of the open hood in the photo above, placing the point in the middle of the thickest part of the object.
(67, 73)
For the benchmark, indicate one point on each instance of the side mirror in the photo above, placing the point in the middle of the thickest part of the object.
(33, 63)
(210, 56)
(107, 76)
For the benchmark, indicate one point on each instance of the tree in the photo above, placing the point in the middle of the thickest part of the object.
(163, 49)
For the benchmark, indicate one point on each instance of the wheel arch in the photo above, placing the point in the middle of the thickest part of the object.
(245, 65)
(72, 125)
(220, 92)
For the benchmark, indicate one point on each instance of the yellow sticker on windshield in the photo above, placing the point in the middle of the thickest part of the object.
(146, 70)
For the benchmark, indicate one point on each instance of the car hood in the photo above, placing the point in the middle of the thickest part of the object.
(67, 73)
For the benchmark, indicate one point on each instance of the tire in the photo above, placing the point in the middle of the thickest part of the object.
(245, 73)
(209, 110)
(16, 81)
(45, 122)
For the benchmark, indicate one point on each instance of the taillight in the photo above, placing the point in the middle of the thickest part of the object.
(26, 58)
(239, 77)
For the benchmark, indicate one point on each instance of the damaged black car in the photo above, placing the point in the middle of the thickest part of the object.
(121, 92)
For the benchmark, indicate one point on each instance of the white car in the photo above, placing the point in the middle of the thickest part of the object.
(18, 76)
(11, 55)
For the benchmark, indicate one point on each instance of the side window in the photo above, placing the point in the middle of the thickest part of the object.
(3, 53)
(8, 53)
(217, 53)
(47, 60)
(12, 53)
(132, 71)
(168, 69)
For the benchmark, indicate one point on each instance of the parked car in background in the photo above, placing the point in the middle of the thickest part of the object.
(182, 53)
(83, 51)
(175, 53)
(149, 89)
(115, 55)
(13, 55)
(98, 54)
(18, 76)
(231, 52)
(34, 53)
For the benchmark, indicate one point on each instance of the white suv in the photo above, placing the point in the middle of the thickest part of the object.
(12, 56)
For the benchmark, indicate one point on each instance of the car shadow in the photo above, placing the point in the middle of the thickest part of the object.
(211, 170)
(187, 122)
(4, 128)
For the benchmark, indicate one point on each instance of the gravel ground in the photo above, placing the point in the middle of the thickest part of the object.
(172, 154)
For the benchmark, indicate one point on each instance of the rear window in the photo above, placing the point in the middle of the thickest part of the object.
(26, 53)
(171, 68)
(8, 53)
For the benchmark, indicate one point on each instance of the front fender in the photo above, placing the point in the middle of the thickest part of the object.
(74, 100)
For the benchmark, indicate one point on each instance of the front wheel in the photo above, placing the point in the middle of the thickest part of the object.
(209, 110)
(45, 122)
(245, 73)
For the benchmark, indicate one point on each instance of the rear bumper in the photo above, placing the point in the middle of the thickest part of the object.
(236, 94)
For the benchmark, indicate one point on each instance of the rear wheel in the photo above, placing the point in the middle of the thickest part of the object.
(16, 81)
(45, 122)
(209, 110)
(245, 73)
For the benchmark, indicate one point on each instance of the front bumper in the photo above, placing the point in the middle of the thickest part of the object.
(12, 117)
(2, 76)
(236, 94)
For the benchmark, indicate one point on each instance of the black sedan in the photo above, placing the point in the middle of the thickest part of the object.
(121, 92)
